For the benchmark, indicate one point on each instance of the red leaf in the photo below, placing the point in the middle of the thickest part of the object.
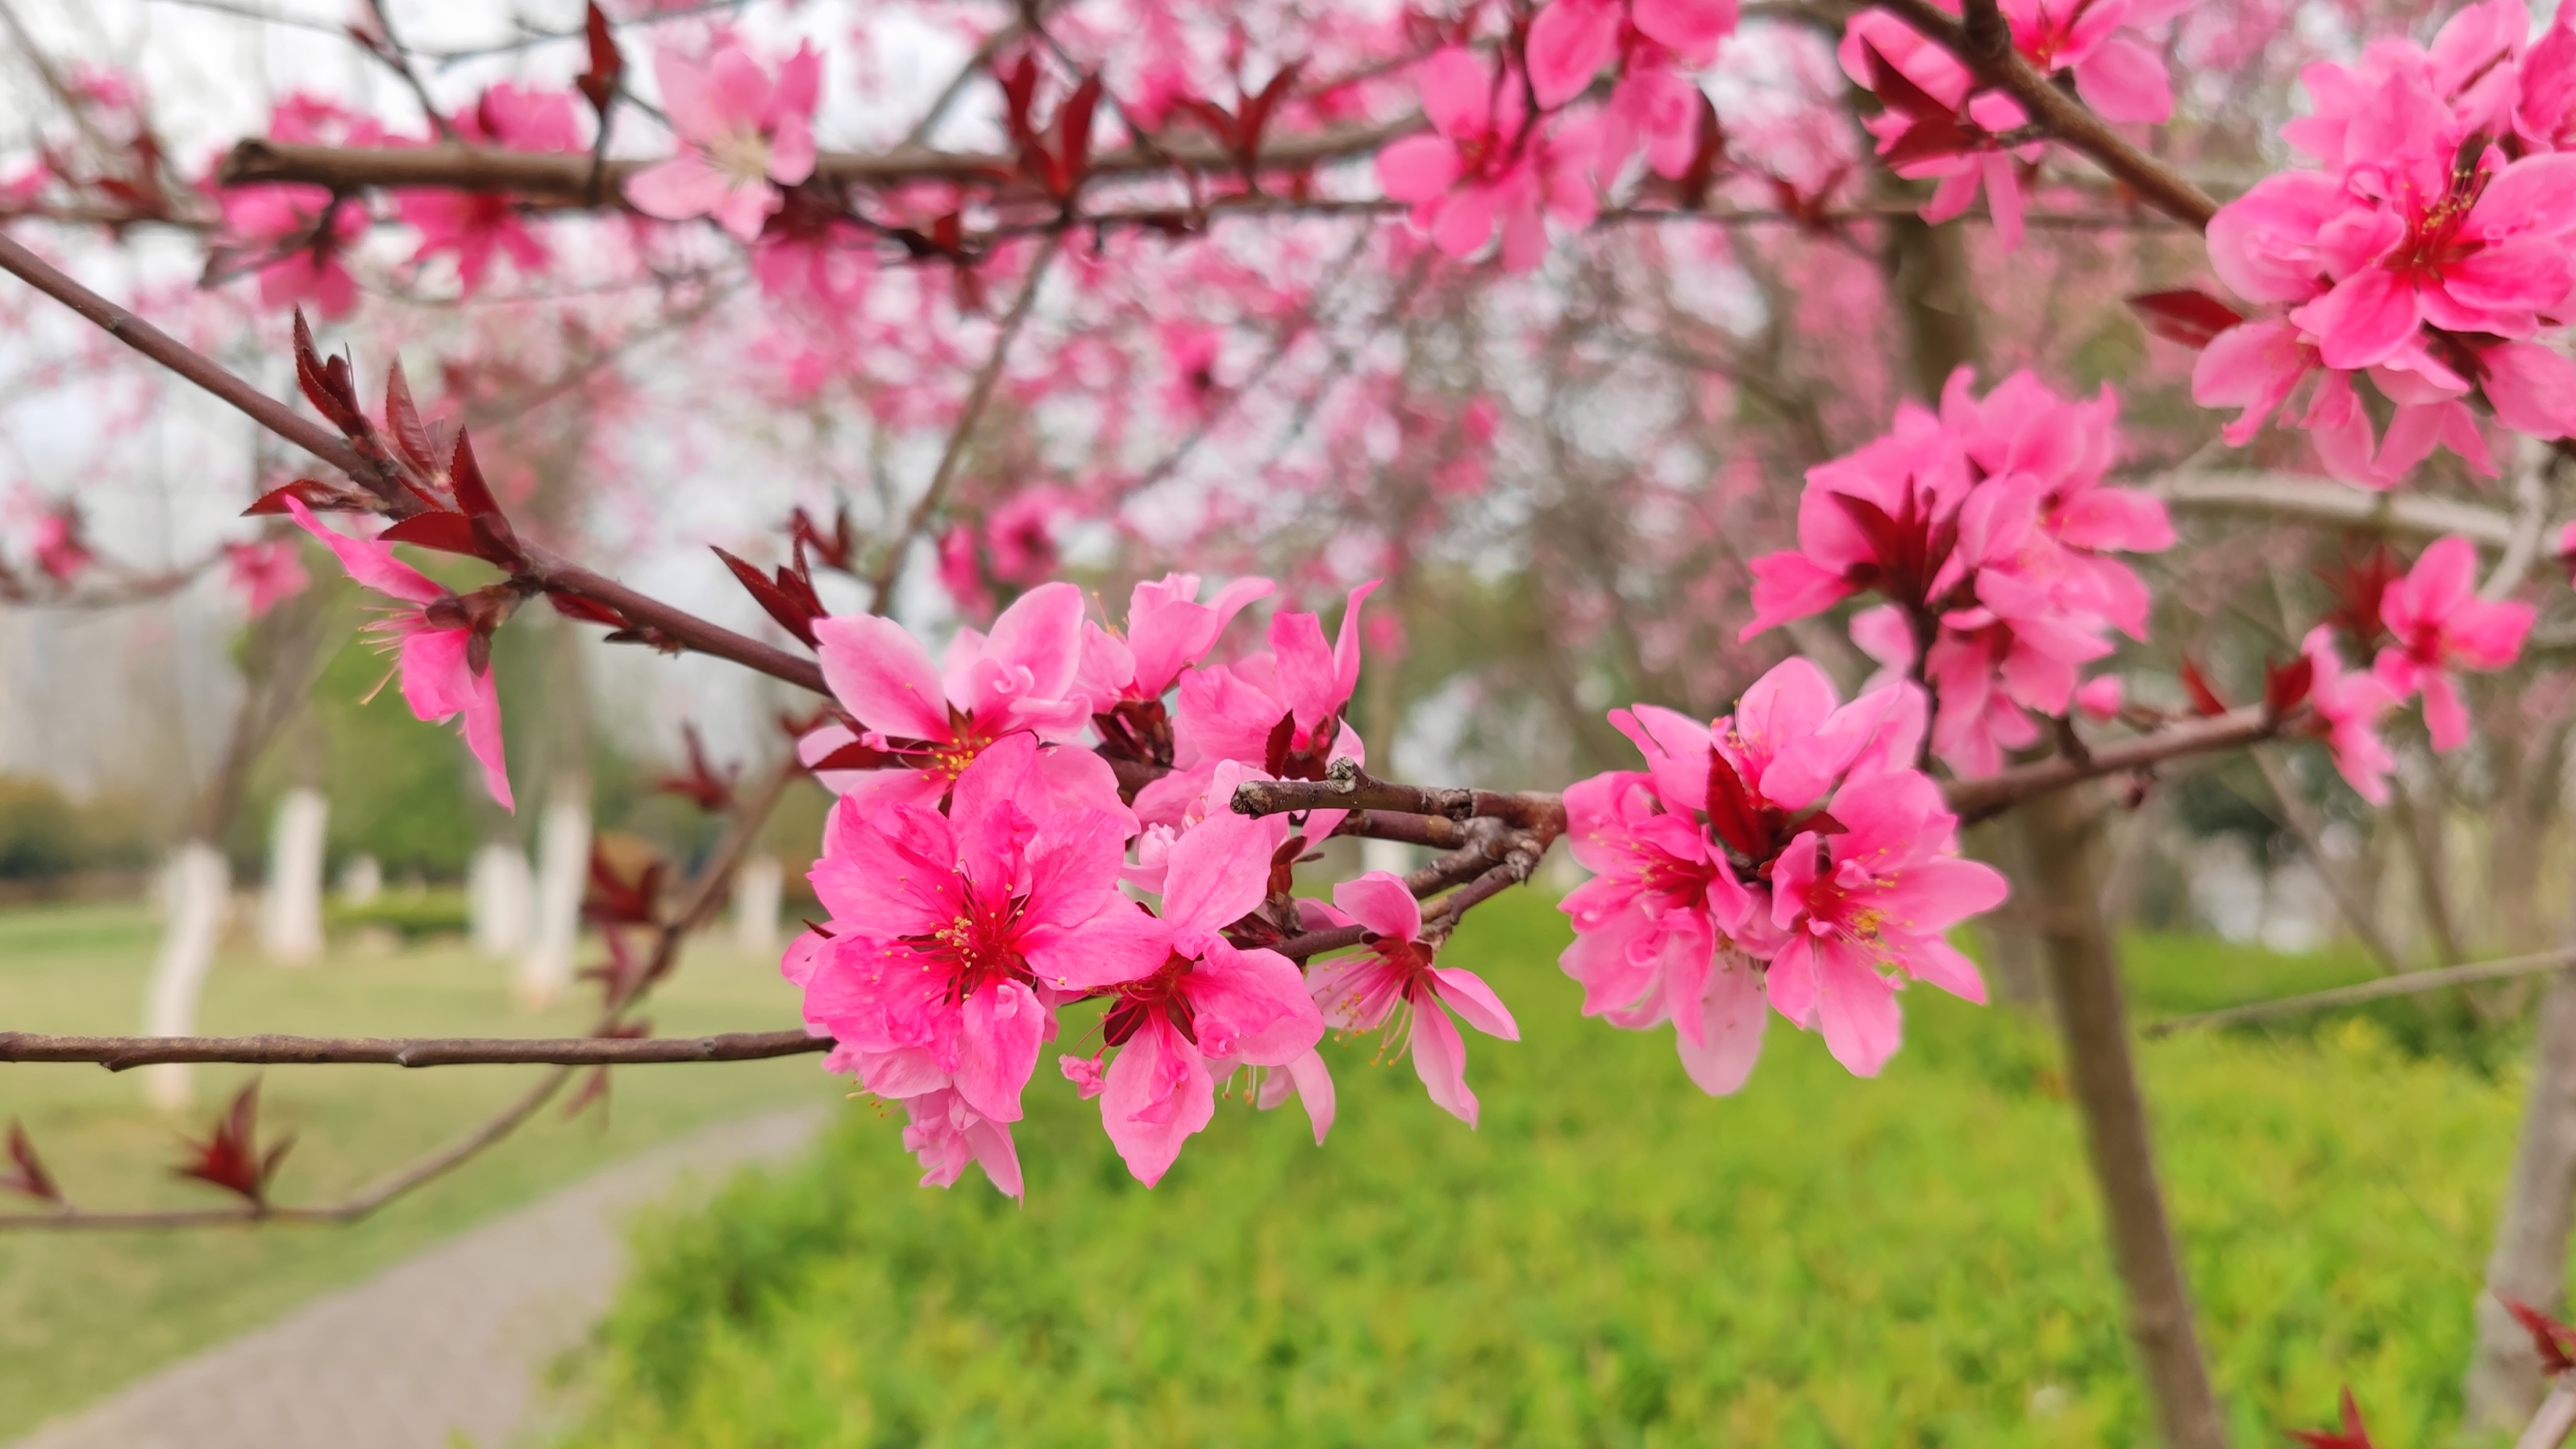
(1708, 153)
(573, 606)
(612, 899)
(1898, 92)
(2549, 1337)
(2188, 316)
(2285, 686)
(599, 83)
(788, 599)
(326, 385)
(1257, 113)
(1019, 94)
(403, 418)
(230, 1158)
(1073, 137)
(1732, 812)
(473, 495)
(1283, 737)
(27, 1173)
(315, 494)
(1931, 138)
(2204, 700)
(445, 532)
(856, 756)
(2351, 1436)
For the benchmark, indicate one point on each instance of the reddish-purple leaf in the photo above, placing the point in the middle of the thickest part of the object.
(1274, 751)
(701, 783)
(230, 1157)
(2188, 316)
(26, 1174)
(2549, 1338)
(1898, 92)
(315, 494)
(1073, 136)
(573, 606)
(857, 756)
(1732, 811)
(473, 495)
(1931, 138)
(402, 418)
(2351, 1436)
(2285, 686)
(2204, 700)
(788, 598)
(599, 83)
(445, 532)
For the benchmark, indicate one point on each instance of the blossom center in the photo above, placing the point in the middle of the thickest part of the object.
(742, 156)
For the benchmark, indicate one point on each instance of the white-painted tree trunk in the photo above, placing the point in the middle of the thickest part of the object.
(756, 888)
(500, 900)
(361, 880)
(290, 918)
(563, 871)
(198, 887)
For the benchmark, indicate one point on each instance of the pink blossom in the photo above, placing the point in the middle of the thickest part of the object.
(946, 1134)
(1191, 351)
(1168, 630)
(951, 935)
(1394, 976)
(1938, 75)
(1875, 895)
(60, 550)
(1208, 1002)
(920, 727)
(477, 226)
(1233, 712)
(2440, 625)
(295, 236)
(743, 134)
(1655, 928)
(444, 650)
(2348, 705)
(2101, 697)
(1489, 163)
(2117, 72)
(265, 574)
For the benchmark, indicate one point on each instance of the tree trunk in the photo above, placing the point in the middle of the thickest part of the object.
(756, 889)
(290, 921)
(563, 872)
(199, 888)
(499, 900)
(2062, 834)
(2530, 1258)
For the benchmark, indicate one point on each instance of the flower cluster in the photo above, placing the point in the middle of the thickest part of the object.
(1990, 532)
(1939, 125)
(744, 132)
(1512, 145)
(2425, 256)
(974, 863)
(1788, 852)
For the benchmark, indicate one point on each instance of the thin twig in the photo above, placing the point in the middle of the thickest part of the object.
(2411, 984)
(118, 1053)
(889, 567)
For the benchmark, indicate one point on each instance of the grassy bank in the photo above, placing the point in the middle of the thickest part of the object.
(82, 1313)
(1613, 1259)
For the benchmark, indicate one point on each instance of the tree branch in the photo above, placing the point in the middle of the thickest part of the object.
(2318, 500)
(2410, 984)
(2065, 117)
(117, 1053)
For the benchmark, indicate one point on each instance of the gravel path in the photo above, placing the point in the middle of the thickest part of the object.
(447, 1350)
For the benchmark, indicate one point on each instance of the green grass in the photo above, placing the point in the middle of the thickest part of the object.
(1613, 1259)
(82, 1313)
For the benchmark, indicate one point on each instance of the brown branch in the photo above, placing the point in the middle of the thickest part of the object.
(1991, 795)
(1348, 787)
(2410, 984)
(1998, 64)
(2555, 1419)
(2317, 500)
(544, 568)
(564, 178)
(117, 1053)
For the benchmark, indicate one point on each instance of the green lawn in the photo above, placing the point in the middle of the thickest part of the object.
(1613, 1259)
(82, 1313)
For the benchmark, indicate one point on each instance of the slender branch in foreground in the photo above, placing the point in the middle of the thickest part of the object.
(2556, 1418)
(1348, 787)
(2410, 984)
(2316, 500)
(566, 177)
(1997, 63)
(544, 568)
(117, 1053)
